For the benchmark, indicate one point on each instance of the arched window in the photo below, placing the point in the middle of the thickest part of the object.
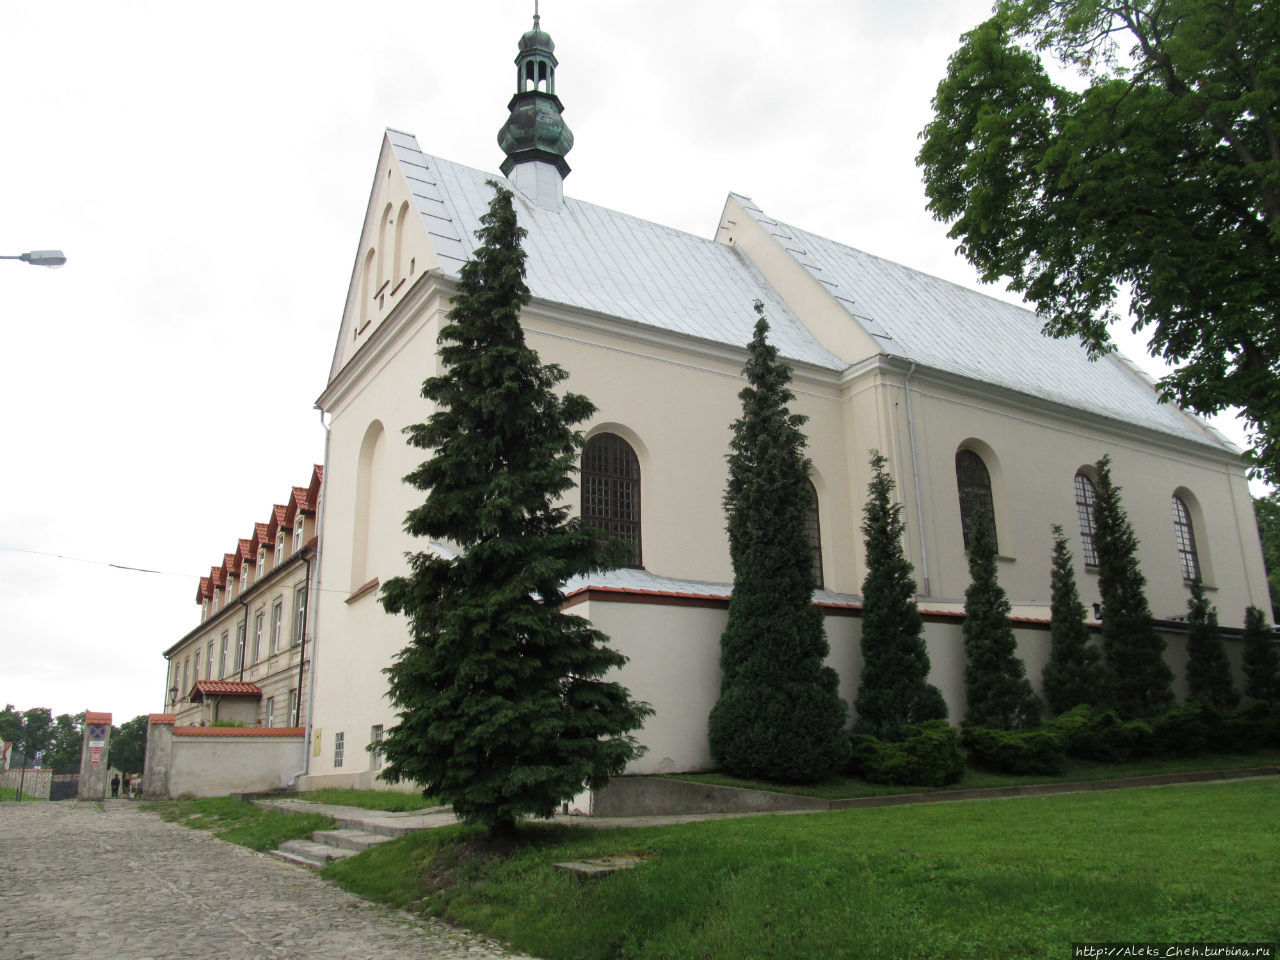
(1086, 498)
(814, 531)
(974, 484)
(611, 490)
(1186, 537)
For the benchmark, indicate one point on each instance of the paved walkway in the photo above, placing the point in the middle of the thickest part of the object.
(84, 881)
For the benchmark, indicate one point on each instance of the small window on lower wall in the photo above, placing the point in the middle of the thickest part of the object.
(271, 712)
(375, 747)
(339, 739)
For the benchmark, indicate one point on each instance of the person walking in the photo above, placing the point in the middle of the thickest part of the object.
(115, 785)
(124, 782)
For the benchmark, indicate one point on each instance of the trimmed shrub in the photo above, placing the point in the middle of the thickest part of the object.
(1182, 731)
(929, 755)
(1101, 736)
(1016, 751)
(1252, 727)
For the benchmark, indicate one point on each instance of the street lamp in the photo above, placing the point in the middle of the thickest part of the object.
(40, 258)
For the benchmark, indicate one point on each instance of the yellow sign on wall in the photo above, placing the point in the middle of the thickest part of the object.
(315, 742)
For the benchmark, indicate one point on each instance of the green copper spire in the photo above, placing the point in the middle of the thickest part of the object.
(535, 130)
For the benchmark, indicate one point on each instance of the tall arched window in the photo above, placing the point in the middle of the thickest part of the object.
(611, 490)
(1086, 498)
(974, 485)
(814, 531)
(1186, 537)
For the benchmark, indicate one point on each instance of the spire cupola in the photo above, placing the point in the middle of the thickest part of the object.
(535, 137)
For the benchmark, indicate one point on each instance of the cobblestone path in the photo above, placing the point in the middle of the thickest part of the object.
(86, 881)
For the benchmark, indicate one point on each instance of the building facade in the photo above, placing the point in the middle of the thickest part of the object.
(247, 660)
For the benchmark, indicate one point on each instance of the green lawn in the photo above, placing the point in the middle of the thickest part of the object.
(11, 793)
(1077, 770)
(234, 820)
(389, 800)
(1014, 878)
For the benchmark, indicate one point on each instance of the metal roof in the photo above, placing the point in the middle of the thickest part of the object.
(592, 258)
(939, 324)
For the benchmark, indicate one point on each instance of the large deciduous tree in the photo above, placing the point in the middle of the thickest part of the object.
(995, 679)
(778, 715)
(1139, 680)
(1073, 675)
(1266, 510)
(1157, 173)
(893, 691)
(503, 709)
(129, 745)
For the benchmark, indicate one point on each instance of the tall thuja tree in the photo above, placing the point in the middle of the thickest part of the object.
(1261, 658)
(1139, 680)
(995, 680)
(1074, 673)
(1208, 670)
(778, 716)
(502, 708)
(894, 690)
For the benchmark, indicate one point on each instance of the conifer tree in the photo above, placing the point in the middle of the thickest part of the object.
(778, 716)
(502, 708)
(995, 680)
(1261, 658)
(893, 690)
(1208, 671)
(1139, 680)
(1074, 673)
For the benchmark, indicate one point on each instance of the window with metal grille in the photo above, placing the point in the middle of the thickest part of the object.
(1186, 537)
(976, 503)
(1086, 499)
(814, 531)
(339, 744)
(611, 490)
(375, 747)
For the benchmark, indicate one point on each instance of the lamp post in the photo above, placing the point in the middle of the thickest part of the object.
(39, 258)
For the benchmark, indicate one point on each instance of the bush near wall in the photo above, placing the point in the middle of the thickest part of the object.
(929, 755)
(1102, 737)
(1016, 751)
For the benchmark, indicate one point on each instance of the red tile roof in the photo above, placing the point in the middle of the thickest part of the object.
(299, 498)
(246, 550)
(262, 533)
(162, 718)
(249, 732)
(203, 590)
(224, 688)
(231, 563)
(92, 717)
(281, 511)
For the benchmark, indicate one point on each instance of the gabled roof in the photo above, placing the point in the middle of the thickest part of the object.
(203, 590)
(224, 688)
(607, 262)
(262, 534)
(939, 324)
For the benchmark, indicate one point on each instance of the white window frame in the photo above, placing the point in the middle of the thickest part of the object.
(270, 711)
(244, 576)
(375, 747)
(209, 662)
(258, 617)
(339, 747)
(299, 613)
(262, 563)
(222, 655)
(241, 633)
(294, 704)
(277, 618)
(298, 523)
(279, 548)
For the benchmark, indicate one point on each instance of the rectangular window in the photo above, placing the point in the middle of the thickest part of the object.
(298, 524)
(299, 614)
(337, 748)
(195, 675)
(208, 666)
(271, 711)
(182, 690)
(222, 657)
(257, 638)
(277, 616)
(244, 576)
(375, 747)
(239, 663)
(279, 548)
(262, 563)
(293, 708)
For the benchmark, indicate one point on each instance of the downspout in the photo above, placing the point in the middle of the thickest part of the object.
(313, 597)
(915, 478)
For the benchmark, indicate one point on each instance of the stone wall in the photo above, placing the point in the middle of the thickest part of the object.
(215, 761)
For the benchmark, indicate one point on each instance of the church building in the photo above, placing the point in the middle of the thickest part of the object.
(968, 401)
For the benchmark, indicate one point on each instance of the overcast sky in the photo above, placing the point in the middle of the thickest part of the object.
(206, 170)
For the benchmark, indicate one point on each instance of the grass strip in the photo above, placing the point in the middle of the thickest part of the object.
(841, 788)
(11, 793)
(392, 801)
(1014, 878)
(235, 821)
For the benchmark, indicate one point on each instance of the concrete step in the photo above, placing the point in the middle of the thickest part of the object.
(311, 850)
(297, 859)
(349, 839)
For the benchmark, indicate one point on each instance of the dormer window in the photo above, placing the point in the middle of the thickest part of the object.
(279, 548)
(297, 533)
(229, 589)
(262, 563)
(244, 577)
